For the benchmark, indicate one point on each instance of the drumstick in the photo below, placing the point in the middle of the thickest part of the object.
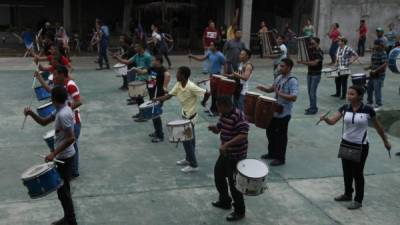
(30, 103)
(54, 160)
(319, 121)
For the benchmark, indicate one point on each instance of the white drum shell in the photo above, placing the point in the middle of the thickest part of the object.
(180, 130)
(137, 88)
(248, 185)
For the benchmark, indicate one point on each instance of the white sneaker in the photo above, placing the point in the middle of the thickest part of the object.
(188, 169)
(182, 162)
(377, 108)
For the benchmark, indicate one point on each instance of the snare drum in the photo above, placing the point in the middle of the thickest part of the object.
(180, 130)
(214, 82)
(45, 110)
(120, 69)
(41, 180)
(41, 93)
(251, 178)
(344, 71)
(394, 60)
(226, 87)
(265, 108)
(137, 89)
(359, 79)
(250, 100)
(150, 110)
(330, 72)
(49, 139)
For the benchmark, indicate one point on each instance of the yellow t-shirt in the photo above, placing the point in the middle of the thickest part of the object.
(187, 96)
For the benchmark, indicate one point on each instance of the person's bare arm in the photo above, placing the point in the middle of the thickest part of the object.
(381, 132)
(246, 75)
(41, 81)
(68, 141)
(38, 119)
(167, 79)
(331, 120)
(200, 59)
(264, 88)
(121, 60)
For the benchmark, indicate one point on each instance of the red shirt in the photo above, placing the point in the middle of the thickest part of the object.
(73, 94)
(210, 35)
(363, 30)
(334, 35)
(63, 60)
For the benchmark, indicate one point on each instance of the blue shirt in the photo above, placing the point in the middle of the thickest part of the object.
(287, 85)
(217, 60)
(391, 38)
(106, 33)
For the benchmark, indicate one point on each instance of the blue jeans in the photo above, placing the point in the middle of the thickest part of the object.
(312, 86)
(190, 147)
(239, 102)
(333, 50)
(375, 85)
(103, 55)
(75, 164)
(205, 62)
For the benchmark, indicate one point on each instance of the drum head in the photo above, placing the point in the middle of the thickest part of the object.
(253, 93)
(147, 104)
(45, 105)
(252, 168)
(359, 75)
(178, 122)
(49, 134)
(50, 77)
(36, 171)
(119, 65)
(268, 98)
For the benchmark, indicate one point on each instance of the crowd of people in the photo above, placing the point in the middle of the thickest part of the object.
(224, 54)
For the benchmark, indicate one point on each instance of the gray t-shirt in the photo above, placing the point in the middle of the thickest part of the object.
(64, 121)
(290, 86)
(232, 50)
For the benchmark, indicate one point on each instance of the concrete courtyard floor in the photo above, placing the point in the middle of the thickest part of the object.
(126, 179)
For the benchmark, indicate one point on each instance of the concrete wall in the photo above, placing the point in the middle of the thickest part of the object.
(348, 14)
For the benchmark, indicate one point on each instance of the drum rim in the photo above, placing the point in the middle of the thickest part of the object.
(266, 166)
(267, 98)
(359, 75)
(186, 122)
(147, 105)
(136, 83)
(119, 65)
(326, 70)
(49, 134)
(218, 76)
(227, 79)
(45, 105)
(50, 166)
(253, 93)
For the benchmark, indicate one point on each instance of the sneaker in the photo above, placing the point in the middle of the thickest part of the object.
(123, 88)
(182, 162)
(188, 169)
(354, 205)
(234, 216)
(152, 135)
(140, 120)
(377, 107)
(136, 116)
(219, 204)
(277, 162)
(310, 112)
(343, 198)
(131, 102)
(157, 139)
(397, 154)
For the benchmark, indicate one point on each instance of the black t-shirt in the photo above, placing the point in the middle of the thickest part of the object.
(156, 79)
(316, 54)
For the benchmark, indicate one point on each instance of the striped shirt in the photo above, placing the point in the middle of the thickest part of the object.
(344, 55)
(378, 58)
(231, 125)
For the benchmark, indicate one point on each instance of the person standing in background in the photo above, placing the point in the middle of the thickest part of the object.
(334, 35)
(391, 37)
(210, 34)
(362, 37)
